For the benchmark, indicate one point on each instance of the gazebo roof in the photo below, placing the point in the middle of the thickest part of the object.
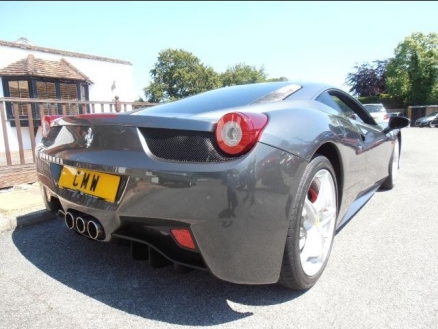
(31, 66)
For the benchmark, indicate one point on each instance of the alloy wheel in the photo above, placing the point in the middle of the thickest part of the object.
(317, 222)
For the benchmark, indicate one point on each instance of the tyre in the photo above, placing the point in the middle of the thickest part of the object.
(312, 226)
(394, 164)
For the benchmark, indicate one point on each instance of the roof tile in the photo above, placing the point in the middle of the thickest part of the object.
(28, 46)
(32, 66)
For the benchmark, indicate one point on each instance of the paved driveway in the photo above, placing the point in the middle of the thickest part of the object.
(383, 273)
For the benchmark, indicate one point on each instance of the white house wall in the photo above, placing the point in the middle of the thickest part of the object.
(13, 139)
(101, 73)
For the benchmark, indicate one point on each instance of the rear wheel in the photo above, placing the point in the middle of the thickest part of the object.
(390, 181)
(312, 226)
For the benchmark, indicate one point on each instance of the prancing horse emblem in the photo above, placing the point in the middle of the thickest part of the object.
(88, 137)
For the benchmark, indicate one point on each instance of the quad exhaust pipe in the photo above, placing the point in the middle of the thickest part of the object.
(83, 224)
(91, 227)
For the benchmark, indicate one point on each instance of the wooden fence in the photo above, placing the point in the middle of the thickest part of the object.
(23, 115)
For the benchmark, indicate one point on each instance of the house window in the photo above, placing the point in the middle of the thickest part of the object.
(19, 89)
(45, 90)
(42, 88)
(69, 91)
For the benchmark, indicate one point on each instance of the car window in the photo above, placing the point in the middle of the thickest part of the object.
(344, 105)
(374, 108)
(345, 108)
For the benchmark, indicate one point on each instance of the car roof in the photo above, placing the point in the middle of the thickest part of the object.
(240, 95)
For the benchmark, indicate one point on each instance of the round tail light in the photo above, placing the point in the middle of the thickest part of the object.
(236, 133)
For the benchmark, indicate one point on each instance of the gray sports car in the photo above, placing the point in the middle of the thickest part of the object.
(248, 182)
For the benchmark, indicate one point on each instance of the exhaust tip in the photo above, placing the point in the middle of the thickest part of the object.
(81, 225)
(95, 230)
(69, 220)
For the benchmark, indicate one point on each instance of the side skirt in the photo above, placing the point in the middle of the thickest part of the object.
(356, 206)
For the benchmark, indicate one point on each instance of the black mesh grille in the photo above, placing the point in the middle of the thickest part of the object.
(184, 145)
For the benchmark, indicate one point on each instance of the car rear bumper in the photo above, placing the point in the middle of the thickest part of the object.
(237, 211)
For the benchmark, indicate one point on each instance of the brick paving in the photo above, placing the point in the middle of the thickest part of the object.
(17, 173)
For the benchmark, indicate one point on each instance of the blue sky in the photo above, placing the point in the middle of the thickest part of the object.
(320, 41)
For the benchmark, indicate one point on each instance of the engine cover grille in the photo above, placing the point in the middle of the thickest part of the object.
(184, 145)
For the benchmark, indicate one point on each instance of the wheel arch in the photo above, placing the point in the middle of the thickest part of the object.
(399, 137)
(331, 152)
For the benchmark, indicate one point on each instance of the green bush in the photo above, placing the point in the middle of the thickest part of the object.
(391, 102)
(369, 99)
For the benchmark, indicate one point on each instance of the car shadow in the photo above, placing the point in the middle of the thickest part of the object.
(107, 273)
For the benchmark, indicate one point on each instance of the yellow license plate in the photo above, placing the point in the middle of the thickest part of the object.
(90, 182)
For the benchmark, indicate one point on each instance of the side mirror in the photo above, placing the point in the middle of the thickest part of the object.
(396, 123)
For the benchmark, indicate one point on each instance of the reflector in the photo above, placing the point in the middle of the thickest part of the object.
(183, 237)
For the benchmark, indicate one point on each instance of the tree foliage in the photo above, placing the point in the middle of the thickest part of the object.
(241, 74)
(369, 79)
(277, 79)
(413, 72)
(179, 74)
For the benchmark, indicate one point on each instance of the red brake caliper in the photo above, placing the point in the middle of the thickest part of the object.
(312, 195)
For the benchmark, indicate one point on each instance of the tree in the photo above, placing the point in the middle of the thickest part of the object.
(369, 79)
(413, 72)
(277, 79)
(178, 74)
(241, 74)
